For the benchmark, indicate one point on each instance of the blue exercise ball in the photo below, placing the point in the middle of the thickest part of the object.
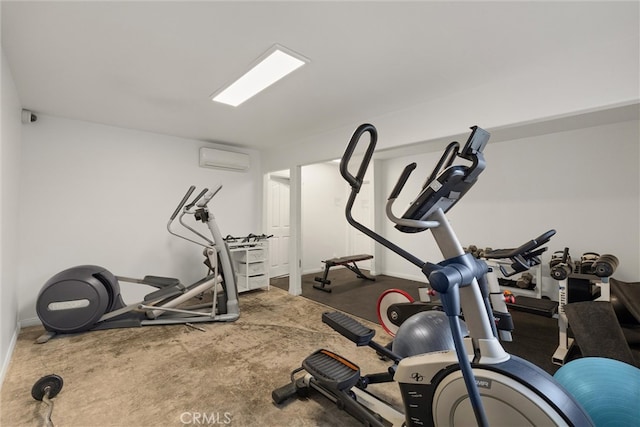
(609, 390)
(425, 332)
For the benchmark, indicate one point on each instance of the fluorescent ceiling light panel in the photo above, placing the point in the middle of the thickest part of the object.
(274, 65)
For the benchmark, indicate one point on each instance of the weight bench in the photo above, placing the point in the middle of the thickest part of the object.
(346, 261)
(597, 332)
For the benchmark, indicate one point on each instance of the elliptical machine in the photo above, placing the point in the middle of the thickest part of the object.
(479, 382)
(87, 297)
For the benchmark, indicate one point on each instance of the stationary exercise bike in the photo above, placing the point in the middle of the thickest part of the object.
(87, 297)
(478, 381)
(395, 305)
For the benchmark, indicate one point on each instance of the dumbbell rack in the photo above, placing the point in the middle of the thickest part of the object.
(599, 287)
(250, 260)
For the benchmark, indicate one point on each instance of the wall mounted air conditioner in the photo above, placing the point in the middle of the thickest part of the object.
(220, 159)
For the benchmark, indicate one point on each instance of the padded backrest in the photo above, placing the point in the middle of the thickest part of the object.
(628, 294)
(597, 332)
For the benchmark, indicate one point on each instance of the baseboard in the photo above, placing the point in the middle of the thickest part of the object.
(34, 321)
(7, 357)
(312, 271)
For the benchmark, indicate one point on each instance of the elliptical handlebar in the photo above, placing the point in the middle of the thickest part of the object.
(182, 202)
(356, 181)
(200, 202)
(207, 198)
(404, 176)
(532, 244)
(446, 160)
(198, 197)
(446, 184)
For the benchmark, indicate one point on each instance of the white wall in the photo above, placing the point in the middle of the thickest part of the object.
(324, 229)
(9, 192)
(584, 183)
(94, 194)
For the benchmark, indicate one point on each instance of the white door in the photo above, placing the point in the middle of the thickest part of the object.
(279, 225)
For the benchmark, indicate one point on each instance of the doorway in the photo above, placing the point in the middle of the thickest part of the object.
(278, 223)
(324, 228)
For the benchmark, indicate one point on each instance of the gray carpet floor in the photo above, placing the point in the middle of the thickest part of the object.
(176, 375)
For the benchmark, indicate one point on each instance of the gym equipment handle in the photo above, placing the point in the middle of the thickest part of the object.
(356, 181)
(210, 195)
(446, 160)
(182, 202)
(538, 241)
(402, 180)
(198, 197)
(522, 249)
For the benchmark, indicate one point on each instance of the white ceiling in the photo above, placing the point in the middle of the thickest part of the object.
(152, 66)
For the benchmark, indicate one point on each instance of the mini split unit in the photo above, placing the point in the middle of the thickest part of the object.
(220, 159)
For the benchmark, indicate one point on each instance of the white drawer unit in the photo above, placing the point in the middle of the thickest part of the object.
(246, 283)
(250, 264)
(251, 268)
(249, 255)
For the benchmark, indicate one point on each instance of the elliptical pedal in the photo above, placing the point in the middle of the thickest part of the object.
(349, 327)
(332, 370)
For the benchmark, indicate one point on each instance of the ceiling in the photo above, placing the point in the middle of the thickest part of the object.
(152, 66)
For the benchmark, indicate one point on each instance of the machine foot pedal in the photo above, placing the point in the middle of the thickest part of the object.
(349, 327)
(331, 370)
(161, 282)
